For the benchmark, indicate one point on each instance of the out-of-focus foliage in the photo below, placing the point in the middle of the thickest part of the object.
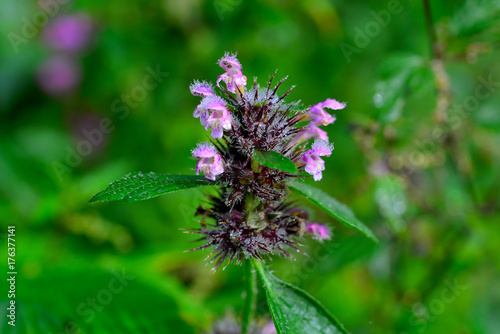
(416, 157)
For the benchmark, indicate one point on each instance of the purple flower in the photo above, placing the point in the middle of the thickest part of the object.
(312, 131)
(319, 231)
(233, 78)
(69, 33)
(59, 75)
(311, 158)
(232, 82)
(213, 113)
(318, 114)
(202, 88)
(218, 120)
(269, 329)
(210, 163)
(230, 63)
(257, 119)
(202, 114)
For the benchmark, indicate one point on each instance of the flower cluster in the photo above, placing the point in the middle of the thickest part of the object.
(250, 216)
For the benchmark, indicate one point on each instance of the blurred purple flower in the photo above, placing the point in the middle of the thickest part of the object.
(89, 131)
(319, 231)
(59, 75)
(269, 329)
(69, 33)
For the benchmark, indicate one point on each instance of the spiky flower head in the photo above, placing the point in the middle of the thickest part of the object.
(251, 215)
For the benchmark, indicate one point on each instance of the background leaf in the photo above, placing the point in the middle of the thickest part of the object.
(275, 160)
(390, 196)
(331, 206)
(294, 310)
(474, 17)
(400, 76)
(139, 186)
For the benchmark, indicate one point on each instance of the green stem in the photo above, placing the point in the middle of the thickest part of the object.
(431, 30)
(250, 297)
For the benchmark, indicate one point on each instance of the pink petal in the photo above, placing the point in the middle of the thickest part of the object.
(202, 89)
(332, 104)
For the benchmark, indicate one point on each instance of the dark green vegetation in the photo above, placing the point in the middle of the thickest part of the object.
(416, 158)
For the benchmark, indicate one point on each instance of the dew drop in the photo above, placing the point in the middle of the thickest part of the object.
(378, 100)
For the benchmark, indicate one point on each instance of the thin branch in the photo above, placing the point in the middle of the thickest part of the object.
(431, 30)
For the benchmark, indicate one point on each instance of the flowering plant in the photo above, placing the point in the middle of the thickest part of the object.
(261, 147)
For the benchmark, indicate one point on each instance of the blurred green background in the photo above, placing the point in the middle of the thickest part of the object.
(416, 157)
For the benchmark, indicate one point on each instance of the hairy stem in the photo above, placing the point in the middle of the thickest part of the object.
(249, 303)
(437, 65)
(458, 231)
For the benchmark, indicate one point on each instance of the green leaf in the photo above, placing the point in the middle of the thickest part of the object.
(293, 310)
(275, 160)
(472, 17)
(331, 206)
(139, 186)
(390, 196)
(400, 76)
(117, 317)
